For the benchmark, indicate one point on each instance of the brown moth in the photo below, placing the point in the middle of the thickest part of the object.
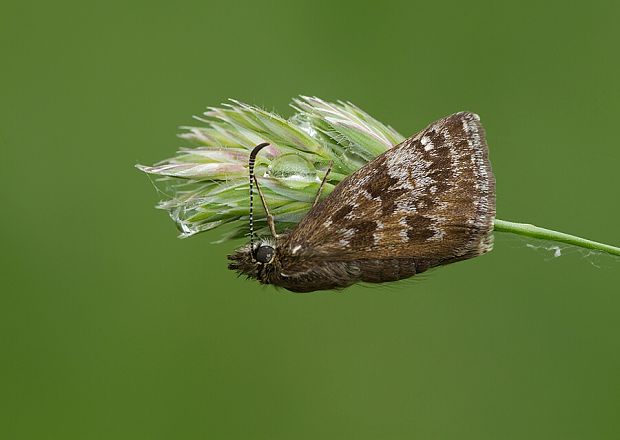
(425, 202)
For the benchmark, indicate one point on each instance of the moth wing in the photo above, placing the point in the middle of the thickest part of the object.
(431, 197)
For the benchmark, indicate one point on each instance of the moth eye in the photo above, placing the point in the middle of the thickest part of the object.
(264, 254)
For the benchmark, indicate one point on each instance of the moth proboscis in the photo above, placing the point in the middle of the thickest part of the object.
(425, 202)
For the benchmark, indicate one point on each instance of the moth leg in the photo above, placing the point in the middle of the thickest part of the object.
(318, 193)
(270, 220)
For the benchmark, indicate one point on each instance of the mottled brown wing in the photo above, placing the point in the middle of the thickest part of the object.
(431, 197)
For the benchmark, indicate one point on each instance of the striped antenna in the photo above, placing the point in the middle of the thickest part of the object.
(251, 167)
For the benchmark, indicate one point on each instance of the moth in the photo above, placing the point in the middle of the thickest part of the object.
(426, 202)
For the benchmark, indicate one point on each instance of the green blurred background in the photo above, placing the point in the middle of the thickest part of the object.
(112, 328)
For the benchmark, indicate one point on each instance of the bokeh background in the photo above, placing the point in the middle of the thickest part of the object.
(112, 328)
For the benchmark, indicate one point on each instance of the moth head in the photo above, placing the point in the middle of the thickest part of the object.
(252, 260)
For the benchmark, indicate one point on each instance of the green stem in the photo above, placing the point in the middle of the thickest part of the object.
(547, 234)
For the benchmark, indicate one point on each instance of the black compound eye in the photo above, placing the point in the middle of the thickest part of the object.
(264, 254)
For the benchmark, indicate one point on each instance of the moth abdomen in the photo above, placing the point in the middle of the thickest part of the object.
(392, 269)
(328, 275)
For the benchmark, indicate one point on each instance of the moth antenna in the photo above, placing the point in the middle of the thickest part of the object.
(251, 162)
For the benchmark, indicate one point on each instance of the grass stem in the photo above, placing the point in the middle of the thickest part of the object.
(548, 234)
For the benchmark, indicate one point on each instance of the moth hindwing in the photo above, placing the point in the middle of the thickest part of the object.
(425, 202)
